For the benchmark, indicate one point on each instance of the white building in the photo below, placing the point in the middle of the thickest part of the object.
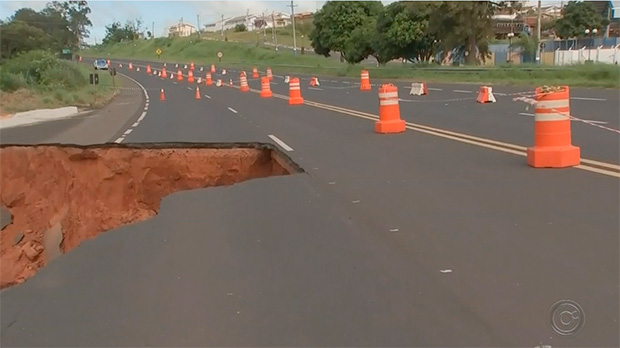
(181, 29)
(251, 22)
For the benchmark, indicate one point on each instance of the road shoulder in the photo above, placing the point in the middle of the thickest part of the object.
(97, 126)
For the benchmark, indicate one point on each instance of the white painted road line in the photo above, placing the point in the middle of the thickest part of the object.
(315, 88)
(119, 140)
(142, 116)
(592, 99)
(281, 143)
(435, 89)
(136, 124)
(233, 110)
(461, 91)
(128, 131)
(189, 88)
(526, 114)
(206, 96)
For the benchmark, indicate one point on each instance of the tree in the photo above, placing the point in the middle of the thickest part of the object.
(528, 44)
(116, 32)
(577, 16)
(53, 24)
(335, 24)
(76, 13)
(402, 31)
(18, 36)
(240, 27)
(464, 26)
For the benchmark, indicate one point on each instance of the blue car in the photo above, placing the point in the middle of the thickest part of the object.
(100, 64)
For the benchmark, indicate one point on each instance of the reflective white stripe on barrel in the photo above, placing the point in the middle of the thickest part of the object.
(552, 110)
(389, 102)
(388, 95)
(556, 116)
(388, 98)
(552, 104)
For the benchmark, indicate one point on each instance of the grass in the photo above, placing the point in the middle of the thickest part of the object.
(32, 97)
(284, 36)
(244, 55)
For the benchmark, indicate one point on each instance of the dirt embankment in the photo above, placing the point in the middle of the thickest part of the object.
(80, 192)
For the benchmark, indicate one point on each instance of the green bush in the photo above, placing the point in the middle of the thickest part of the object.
(10, 82)
(42, 69)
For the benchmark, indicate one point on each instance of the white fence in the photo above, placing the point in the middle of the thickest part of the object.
(597, 54)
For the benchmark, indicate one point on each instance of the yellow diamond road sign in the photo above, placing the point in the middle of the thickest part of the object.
(158, 51)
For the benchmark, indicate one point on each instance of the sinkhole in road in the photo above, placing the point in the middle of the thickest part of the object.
(60, 195)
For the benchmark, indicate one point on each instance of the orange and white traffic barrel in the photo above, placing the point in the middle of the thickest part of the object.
(389, 111)
(552, 134)
(295, 92)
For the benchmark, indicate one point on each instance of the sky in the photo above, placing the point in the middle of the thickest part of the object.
(166, 13)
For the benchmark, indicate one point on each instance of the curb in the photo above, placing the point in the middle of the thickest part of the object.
(38, 116)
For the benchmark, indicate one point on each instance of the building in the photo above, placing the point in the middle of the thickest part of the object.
(181, 30)
(277, 19)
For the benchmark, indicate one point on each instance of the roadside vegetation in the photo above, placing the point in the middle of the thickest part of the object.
(345, 37)
(241, 55)
(38, 79)
(36, 70)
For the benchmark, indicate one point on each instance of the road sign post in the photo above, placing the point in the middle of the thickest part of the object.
(158, 52)
(220, 55)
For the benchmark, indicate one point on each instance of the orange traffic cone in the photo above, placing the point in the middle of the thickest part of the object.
(265, 88)
(197, 92)
(269, 74)
(218, 83)
(130, 66)
(148, 69)
(179, 75)
(552, 135)
(254, 73)
(295, 92)
(162, 96)
(190, 76)
(191, 65)
(138, 68)
(80, 59)
(365, 85)
(230, 84)
(485, 95)
(389, 111)
(108, 62)
(208, 80)
(120, 65)
(243, 83)
(163, 72)
(212, 69)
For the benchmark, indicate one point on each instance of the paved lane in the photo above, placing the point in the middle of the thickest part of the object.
(356, 252)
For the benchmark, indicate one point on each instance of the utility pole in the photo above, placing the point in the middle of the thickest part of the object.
(264, 28)
(274, 32)
(294, 36)
(198, 28)
(222, 25)
(538, 31)
(153, 31)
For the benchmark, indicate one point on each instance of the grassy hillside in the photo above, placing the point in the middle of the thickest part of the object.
(203, 51)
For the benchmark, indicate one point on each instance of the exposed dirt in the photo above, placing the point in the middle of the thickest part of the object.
(91, 189)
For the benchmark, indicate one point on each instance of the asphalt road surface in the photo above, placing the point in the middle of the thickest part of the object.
(413, 239)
